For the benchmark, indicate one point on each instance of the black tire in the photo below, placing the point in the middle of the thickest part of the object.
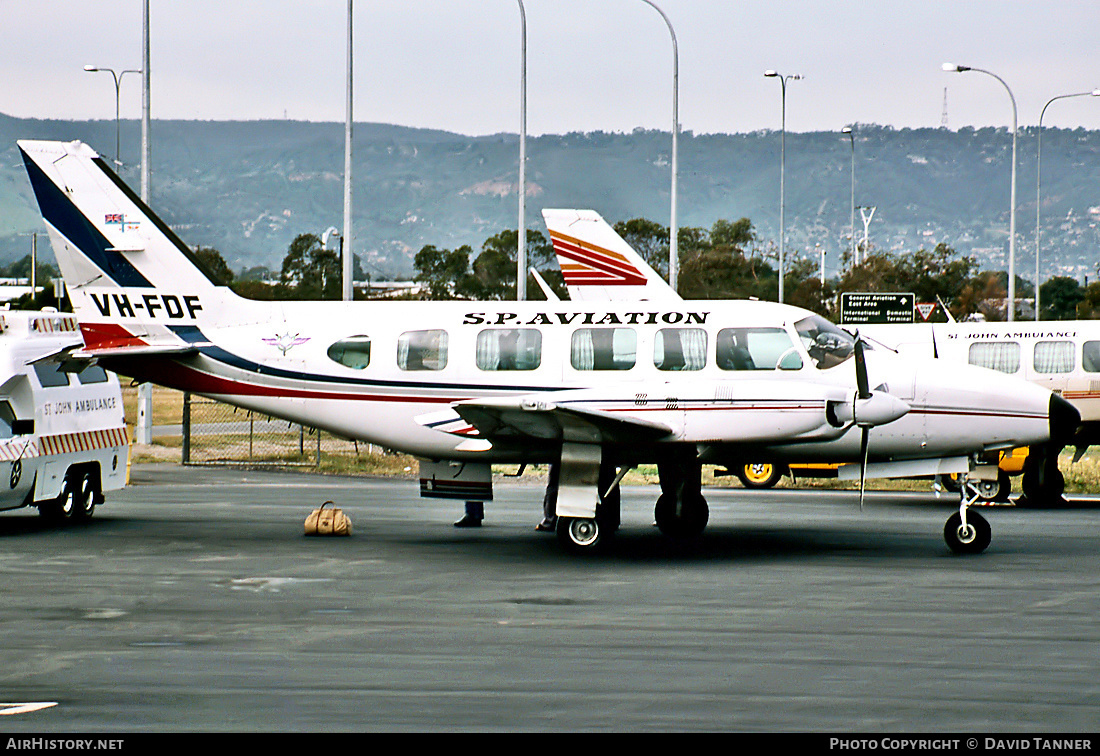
(689, 522)
(759, 474)
(580, 535)
(61, 510)
(85, 496)
(974, 540)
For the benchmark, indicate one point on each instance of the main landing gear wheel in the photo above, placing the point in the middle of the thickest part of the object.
(687, 520)
(759, 475)
(973, 538)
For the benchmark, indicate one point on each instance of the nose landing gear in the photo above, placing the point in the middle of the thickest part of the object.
(967, 532)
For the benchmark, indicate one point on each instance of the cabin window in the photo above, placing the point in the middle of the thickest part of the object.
(1054, 357)
(1090, 356)
(50, 375)
(354, 351)
(604, 349)
(1003, 356)
(680, 349)
(92, 374)
(509, 349)
(422, 350)
(756, 349)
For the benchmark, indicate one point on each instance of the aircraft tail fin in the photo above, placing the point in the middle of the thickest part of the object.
(131, 280)
(598, 265)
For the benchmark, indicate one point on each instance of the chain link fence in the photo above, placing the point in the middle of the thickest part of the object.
(221, 434)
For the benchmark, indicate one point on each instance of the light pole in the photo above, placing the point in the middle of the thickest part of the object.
(782, 162)
(952, 68)
(1038, 175)
(521, 251)
(347, 289)
(673, 244)
(852, 218)
(118, 83)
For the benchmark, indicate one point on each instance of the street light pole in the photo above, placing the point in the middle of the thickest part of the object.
(347, 291)
(782, 164)
(852, 219)
(521, 251)
(118, 83)
(952, 68)
(1038, 176)
(674, 232)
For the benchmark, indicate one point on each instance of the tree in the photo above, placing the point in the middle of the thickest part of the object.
(939, 274)
(649, 239)
(214, 265)
(441, 270)
(310, 271)
(1059, 298)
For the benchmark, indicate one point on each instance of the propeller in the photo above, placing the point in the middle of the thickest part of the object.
(863, 391)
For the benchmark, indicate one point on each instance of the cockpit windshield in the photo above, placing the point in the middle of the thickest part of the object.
(827, 345)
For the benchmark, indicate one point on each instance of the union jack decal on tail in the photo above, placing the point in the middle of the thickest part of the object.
(592, 265)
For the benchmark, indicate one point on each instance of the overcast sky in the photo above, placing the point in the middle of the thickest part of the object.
(592, 64)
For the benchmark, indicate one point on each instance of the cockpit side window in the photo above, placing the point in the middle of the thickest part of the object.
(827, 344)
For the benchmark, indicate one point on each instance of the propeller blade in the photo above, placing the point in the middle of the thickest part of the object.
(863, 463)
(862, 384)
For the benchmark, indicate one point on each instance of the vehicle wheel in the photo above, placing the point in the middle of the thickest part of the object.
(986, 489)
(689, 521)
(61, 509)
(974, 539)
(580, 535)
(84, 497)
(759, 475)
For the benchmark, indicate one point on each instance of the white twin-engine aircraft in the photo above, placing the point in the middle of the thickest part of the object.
(1061, 356)
(593, 389)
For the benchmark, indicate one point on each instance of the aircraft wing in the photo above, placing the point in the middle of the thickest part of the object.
(519, 419)
(136, 350)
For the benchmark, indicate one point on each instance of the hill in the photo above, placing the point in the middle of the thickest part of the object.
(248, 188)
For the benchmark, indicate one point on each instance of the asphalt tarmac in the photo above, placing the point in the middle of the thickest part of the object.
(192, 602)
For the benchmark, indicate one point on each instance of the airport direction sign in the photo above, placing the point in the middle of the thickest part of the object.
(876, 307)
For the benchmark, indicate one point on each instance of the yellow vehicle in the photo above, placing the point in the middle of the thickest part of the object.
(766, 474)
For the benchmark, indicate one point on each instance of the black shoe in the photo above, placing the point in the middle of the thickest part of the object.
(548, 525)
(469, 522)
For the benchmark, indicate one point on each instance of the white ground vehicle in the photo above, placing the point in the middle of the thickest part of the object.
(63, 439)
